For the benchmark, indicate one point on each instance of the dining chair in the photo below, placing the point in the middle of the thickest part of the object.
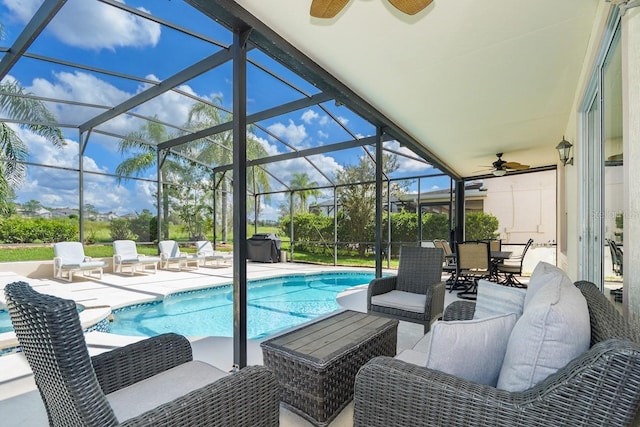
(509, 270)
(473, 262)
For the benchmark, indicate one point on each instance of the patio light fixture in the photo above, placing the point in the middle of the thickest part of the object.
(499, 172)
(564, 150)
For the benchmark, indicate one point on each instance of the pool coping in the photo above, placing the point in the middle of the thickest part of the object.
(116, 291)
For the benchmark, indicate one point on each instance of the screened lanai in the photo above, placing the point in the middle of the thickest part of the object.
(168, 90)
(144, 90)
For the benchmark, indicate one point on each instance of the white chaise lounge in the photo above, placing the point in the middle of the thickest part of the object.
(125, 255)
(69, 257)
(170, 254)
(207, 253)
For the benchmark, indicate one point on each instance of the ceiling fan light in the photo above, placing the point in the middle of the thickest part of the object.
(499, 172)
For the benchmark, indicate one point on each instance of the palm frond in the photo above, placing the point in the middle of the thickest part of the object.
(21, 108)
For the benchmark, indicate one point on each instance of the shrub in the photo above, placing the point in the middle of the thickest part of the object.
(32, 230)
(120, 230)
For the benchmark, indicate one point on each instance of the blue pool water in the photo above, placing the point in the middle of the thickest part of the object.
(5, 322)
(273, 305)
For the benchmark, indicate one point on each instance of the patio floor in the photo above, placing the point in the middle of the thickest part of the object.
(20, 401)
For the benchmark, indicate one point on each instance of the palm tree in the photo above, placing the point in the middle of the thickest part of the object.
(218, 150)
(13, 151)
(301, 184)
(143, 157)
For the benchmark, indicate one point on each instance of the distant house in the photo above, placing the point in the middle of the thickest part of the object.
(103, 217)
(64, 212)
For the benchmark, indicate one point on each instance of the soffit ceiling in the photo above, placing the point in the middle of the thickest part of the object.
(466, 79)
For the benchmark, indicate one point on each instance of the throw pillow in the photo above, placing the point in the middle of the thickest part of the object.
(470, 349)
(543, 274)
(494, 299)
(553, 330)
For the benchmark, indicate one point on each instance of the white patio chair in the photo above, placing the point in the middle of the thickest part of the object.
(170, 254)
(69, 257)
(207, 253)
(125, 255)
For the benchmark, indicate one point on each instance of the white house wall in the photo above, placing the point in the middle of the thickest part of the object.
(525, 206)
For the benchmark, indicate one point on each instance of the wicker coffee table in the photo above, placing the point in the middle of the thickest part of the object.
(316, 365)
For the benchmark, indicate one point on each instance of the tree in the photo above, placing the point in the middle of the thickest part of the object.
(358, 198)
(301, 184)
(218, 150)
(32, 206)
(143, 157)
(13, 151)
(480, 226)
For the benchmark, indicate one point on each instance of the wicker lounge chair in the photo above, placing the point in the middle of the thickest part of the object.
(125, 255)
(599, 388)
(151, 382)
(170, 254)
(69, 258)
(416, 294)
(207, 253)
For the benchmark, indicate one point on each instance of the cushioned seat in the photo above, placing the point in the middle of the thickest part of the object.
(208, 254)
(596, 387)
(416, 294)
(170, 254)
(69, 257)
(153, 382)
(125, 254)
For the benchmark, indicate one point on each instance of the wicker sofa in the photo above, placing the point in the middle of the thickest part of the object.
(600, 388)
(151, 382)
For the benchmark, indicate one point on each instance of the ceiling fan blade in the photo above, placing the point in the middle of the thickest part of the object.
(327, 8)
(410, 7)
(516, 166)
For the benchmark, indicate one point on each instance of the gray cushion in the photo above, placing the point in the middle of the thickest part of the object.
(542, 274)
(553, 330)
(494, 299)
(412, 356)
(402, 300)
(470, 349)
(162, 388)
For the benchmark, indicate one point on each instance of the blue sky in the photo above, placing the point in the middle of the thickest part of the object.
(97, 35)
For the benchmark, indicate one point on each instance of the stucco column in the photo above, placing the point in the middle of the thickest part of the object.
(631, 126)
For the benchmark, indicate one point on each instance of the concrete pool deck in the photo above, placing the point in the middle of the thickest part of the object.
(20, 402)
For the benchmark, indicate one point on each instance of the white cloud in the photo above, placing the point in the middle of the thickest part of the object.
(309, 116)
(343, 120)
(170, 107)
(291, 133)
(407, 164)
(58, 187)
(322, 134)
(101, 26)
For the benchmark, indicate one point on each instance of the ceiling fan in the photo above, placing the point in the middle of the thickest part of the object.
(330, 8)
(501, 167)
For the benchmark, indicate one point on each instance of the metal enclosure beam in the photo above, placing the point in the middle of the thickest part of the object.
(232, 15)
(262, 115)
(240, 197)
(379, 171)
(166, 85)
(31, 31)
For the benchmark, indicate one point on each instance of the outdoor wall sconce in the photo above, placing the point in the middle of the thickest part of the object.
(564, 150)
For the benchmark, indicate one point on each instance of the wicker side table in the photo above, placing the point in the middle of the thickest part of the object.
(316, 365)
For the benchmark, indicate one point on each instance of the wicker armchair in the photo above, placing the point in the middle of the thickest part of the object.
(78, 390)
(600, 388)
(416, 294)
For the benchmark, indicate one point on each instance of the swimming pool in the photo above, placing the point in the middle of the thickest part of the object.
(272, 306)
(5, 322)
